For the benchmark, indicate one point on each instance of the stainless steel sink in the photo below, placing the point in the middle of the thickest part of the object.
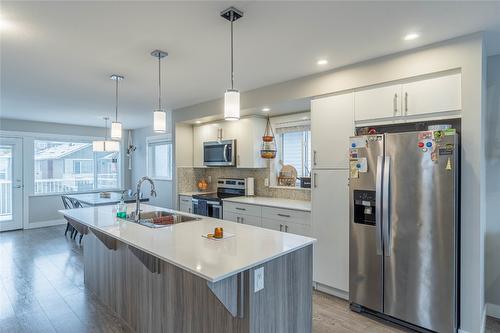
(147, 218)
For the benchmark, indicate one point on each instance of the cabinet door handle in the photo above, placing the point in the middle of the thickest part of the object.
(281, 227)
(406, 103)
(315, 176)
(284, 215)
(314, 157)
(242, 219)
(395, 102)
(239, 208)
(238, 159)
(286, 228)
(237, 219)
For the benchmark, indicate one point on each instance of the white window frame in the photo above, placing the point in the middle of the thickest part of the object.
(155, 140)
(291, 120)
(29, 139)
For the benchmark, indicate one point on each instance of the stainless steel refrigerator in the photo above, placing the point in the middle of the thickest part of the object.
(404, 227)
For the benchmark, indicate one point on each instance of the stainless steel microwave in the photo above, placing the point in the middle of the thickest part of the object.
(219, 153)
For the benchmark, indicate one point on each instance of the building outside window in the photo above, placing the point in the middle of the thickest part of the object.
(63, 166)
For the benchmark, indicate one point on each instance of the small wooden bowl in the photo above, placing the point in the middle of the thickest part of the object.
(268, 138)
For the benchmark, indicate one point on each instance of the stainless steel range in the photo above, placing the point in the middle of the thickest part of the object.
(210, 204)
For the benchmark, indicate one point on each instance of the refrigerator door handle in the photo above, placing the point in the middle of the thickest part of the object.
(386, 206)
(378, 204)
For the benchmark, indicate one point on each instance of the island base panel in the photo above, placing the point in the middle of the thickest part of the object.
(170, 299)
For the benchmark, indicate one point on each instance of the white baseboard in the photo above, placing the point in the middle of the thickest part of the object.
(42, 224)
(331, 291)
(493, 310)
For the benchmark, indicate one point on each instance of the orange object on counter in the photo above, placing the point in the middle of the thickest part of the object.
(218, 232)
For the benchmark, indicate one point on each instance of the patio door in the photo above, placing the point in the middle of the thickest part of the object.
(11, 184)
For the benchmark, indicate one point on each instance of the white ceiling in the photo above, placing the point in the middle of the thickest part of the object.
(56, 57)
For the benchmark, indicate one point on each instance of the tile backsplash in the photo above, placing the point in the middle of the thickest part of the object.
(188, 177)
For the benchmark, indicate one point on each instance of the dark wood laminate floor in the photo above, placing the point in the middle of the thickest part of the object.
(42, 290)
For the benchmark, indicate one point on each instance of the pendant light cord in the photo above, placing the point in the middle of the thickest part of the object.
(232, 62)
(159, 82)
(116, 101)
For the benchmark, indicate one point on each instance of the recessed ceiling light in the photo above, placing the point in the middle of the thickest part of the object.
(198, 121)
(266, 109)
(411, 36)
(322, 62)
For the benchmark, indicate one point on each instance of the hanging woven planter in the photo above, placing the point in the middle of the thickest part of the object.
(268, 147)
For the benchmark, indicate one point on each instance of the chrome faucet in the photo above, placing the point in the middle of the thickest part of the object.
(138, 195)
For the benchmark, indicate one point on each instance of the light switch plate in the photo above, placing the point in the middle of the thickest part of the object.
(258, 279)
(266, 182)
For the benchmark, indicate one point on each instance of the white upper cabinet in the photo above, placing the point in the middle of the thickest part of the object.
(332, 123)
(425, 98)
(248, 135)
(440, 94)
(201, 134)
(377, 103)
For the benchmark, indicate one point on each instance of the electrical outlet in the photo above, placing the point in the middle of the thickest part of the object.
(258, 279)
(266, 182)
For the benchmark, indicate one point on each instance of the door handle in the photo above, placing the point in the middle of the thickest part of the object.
(395, 102)
(281, 227)
(224, 152)
(286, 228)
(239, 208)
(406, 103)
(386, 206)
(314, 157)
(284, 215)
(378, 205)
(315, 176)
(237, 219)
(241, 219)
(18, 186)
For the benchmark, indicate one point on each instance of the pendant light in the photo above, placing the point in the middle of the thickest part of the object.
(116, 127)
(105, 145)
(159, 115)
(232, 96)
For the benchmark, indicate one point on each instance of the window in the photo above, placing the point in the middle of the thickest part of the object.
(160, 159)
(293, 141)
(296, 151)
(63, 166)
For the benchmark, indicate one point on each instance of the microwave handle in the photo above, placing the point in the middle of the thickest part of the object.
(225, 153)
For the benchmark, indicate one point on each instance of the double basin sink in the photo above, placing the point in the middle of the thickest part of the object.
(160, 219)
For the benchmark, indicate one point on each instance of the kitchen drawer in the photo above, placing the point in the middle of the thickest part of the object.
(242, 218)
(242, 208)
(293, 228)
(286, 215)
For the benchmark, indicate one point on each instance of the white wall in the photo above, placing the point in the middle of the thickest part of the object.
(41, 210)
(164, 188)
(492, 241)
(466, 54)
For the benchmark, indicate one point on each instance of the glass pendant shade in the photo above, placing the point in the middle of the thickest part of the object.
(232, 104)
(159, 121)
(116, 130)
(108, 146)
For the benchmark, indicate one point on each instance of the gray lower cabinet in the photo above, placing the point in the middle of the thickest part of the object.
(152, 295)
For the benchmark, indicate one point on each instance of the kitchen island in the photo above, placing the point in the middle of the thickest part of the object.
(172, 279)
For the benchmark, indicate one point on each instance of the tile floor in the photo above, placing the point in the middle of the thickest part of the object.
(42, 290)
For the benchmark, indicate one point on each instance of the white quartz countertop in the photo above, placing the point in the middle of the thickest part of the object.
(182, 244)
(190, 194)
(273, 202)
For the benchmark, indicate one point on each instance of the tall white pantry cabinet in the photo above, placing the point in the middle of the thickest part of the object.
(332, 123)
(333, 119)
